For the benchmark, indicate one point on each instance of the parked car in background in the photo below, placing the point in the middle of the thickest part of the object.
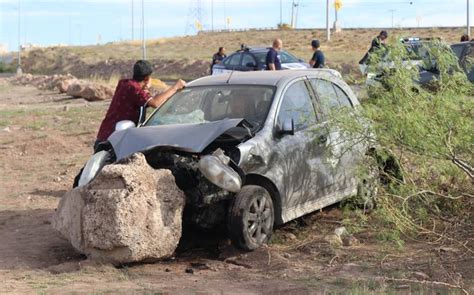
(253, 59)
(465, 53)
(418, 56)
(250, 150)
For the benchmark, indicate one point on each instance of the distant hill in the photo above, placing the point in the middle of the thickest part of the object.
(189, 56)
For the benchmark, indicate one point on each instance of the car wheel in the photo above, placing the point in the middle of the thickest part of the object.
(368, 185)
(251, 218)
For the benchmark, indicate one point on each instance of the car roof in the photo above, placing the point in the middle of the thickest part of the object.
(255, 49)
(462, 43)
(270, 78)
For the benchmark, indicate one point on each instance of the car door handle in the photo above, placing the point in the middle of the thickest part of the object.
(322, 139)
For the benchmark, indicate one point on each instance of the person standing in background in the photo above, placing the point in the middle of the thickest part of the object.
(218, 57)
(377, 44)
(273, 59)
(317, 61)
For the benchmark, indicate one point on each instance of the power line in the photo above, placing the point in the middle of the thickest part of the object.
(196, 17)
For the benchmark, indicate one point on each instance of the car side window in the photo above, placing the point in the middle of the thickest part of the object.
(233, 60)
(326, 93)
(297, 105)
(248, 61)
(343, 99)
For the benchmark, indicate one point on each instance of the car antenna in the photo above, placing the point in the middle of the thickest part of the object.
(230, 76)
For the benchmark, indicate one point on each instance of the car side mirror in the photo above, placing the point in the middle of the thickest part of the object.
(142, 117)
(287, 127)
(125, 124)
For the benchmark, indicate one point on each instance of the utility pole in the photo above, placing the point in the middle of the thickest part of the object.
(69, 32)
(296, 13)
(212, 15)
(468, 21)
(292, 13)
(393, 12)
(281, 13)
(225, 17)
(328, 30)
(133, 22)
(19, 71)
(143, 30)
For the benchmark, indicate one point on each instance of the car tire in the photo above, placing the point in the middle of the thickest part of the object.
(251, 218)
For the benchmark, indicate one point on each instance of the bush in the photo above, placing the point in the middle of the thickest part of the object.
(430, 132)
(6, 68)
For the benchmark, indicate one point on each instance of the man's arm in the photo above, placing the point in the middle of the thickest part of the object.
(159, 99)
(312, 61)
(271, 67)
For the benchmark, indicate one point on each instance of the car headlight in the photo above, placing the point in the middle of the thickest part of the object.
(215, 168)
(93, 167)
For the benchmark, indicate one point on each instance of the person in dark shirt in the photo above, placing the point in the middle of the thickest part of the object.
(273, 60)
(218, 57)
(377, 43)
(317, 61)
(129, 96)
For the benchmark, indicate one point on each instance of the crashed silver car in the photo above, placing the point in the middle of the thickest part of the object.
(249, 150)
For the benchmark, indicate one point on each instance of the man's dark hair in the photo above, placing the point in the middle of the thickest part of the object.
(141, 70)
(220, 49)
(384, 33)
(315, 44)
(464, 38)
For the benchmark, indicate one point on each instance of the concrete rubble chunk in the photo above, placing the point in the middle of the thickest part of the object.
(94, 92)
(128, 213)
(76, 89)
(63, 85)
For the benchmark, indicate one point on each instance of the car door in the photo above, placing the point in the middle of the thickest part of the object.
(248, 63)
(342, 152)
(299, 153)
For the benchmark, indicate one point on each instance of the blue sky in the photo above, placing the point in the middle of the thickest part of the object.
(81, 22)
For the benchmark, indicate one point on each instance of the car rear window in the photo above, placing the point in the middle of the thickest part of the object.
(458, 49)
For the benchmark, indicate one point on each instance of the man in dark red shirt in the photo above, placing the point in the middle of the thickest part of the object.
(129, 96)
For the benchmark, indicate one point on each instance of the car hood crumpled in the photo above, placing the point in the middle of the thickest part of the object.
(193, 138)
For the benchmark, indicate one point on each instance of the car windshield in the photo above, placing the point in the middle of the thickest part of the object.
(212, 103)
(285, 57)
(417, 51)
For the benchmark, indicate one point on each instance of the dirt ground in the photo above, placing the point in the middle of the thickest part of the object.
(44, 140)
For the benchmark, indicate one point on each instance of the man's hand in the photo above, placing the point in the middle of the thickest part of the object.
(180, 84)
(159, 99)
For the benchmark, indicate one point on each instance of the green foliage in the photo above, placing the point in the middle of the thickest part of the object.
(429, 130)
(6, 68)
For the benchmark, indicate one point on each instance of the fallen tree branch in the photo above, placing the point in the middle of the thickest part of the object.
(424, 282)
